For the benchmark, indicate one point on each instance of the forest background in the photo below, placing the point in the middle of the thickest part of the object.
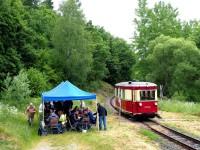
(40, 47)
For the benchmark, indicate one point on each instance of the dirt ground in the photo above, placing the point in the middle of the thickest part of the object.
(121, 135)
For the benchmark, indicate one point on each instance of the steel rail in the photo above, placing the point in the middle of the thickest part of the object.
(174, 135)
(177, 132)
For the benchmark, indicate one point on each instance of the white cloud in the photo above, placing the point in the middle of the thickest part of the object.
(117, 16)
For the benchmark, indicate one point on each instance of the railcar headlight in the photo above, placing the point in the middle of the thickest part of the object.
(156, 103)
(140, 104)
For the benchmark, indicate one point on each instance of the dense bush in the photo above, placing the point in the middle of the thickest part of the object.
(38, 81)
(16, 90)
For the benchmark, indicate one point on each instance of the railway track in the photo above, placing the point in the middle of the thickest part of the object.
(177, 137)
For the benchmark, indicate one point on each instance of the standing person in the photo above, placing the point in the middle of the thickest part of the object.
(82, 104)
(102, 112)
(40, 110)
(30, 111)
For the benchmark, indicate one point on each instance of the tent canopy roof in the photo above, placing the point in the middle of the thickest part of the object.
(67, 91)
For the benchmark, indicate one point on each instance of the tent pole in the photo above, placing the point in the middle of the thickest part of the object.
(43, 110)
(97, 118)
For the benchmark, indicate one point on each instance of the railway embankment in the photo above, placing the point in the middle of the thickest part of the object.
(180, 115)
(172, 134)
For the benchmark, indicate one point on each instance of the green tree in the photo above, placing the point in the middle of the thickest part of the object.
(73, 57)
(174, 63)
(38, 81)
(191, 30)
(41, 21)
(14, 50)
(31, 3)
(121, 61)
(100, 51)
(151, 23)
(45, 64)
(48, 3)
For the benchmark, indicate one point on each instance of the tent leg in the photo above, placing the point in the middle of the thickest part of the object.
(43, 111)
(97, 121)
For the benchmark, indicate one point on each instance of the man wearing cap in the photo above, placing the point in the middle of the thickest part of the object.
(30, 111)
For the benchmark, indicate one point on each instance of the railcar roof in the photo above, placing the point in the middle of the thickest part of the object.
(135, 84)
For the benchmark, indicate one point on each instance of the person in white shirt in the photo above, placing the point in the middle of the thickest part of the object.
(40, 111)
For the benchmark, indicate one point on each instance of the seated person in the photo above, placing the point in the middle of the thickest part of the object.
(75, 109)
(75, 120)
(52, 115)
(62, 119)
(91, 116)
(85, 120)
(53, 121)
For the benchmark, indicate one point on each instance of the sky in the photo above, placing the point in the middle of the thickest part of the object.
(116, 16)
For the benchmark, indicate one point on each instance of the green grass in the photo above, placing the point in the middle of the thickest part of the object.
(15, 134)
(89, 140)
(180, 107)
(151, 135)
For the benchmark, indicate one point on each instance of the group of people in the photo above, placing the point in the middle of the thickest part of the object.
(64, 116)
(68, 117)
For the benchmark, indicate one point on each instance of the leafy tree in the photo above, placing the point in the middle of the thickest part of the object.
(41, 21)
(45, 63)
(177, 66)
(14, 50)
(100, 53)
(120, 62)
(38, 81)
(48, 3)
(73, 55)
(186, 81)
(191, 30)
(31, 3)
(151, 23)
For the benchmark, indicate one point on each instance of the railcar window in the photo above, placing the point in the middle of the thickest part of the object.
(128, 94)
(116, 92)
(147, 95)
(122, 94)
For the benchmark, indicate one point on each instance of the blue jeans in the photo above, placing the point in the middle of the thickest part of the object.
(102, 119)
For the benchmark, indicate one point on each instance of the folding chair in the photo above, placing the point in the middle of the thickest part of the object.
(54, 127)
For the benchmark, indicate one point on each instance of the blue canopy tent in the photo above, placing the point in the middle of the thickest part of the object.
(66, 91)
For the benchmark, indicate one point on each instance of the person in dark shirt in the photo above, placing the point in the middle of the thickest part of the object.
(102, 112)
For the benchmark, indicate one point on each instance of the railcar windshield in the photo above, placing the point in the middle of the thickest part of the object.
(147, 95)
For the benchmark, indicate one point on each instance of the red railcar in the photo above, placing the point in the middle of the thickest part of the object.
(137, 98)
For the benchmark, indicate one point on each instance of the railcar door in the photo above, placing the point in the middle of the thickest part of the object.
(128, 100)
(135, 101)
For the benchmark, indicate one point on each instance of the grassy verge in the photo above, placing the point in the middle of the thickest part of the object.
(115, 138)
(149, 134)
(15, 134)
(180, 106)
